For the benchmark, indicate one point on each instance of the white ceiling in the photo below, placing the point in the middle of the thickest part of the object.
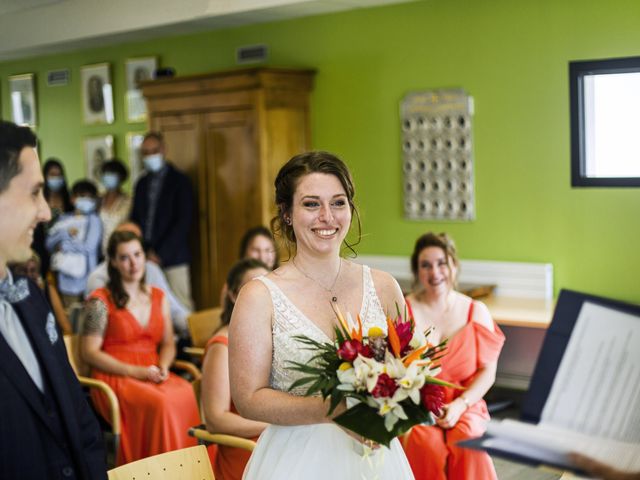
(34, 27)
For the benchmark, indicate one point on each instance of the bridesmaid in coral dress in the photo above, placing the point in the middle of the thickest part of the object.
(127, 339)
(474, 345)
(220, 414)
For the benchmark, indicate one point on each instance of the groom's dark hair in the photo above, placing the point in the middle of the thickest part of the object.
(12, 140)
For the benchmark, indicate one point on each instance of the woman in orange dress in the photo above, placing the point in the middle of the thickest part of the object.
(219, 412)
(472, 354)
(127, 340)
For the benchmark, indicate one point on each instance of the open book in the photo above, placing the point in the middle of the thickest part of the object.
(593, 406)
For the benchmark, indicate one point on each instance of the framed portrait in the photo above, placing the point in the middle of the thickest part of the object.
(138, 70)
(23, 99)
(134, 142)
(97, 150)
(97, 94)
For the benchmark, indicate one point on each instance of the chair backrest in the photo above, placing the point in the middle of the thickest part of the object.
(187, 464)
(202, 324)
(73, 352)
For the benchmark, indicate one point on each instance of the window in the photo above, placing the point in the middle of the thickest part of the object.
(605, 122)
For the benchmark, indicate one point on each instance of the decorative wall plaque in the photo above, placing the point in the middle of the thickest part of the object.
(438, 155)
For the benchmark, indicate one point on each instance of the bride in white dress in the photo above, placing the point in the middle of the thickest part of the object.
(314, 195)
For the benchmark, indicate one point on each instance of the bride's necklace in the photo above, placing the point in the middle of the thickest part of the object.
(334, 297)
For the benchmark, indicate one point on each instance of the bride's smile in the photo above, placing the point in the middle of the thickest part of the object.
(321, 214)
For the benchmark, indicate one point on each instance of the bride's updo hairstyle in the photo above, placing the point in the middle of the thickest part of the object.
(442, 241)
(287, 181)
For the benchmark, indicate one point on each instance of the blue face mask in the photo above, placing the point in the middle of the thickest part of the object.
(85, 205)
(55, 183)
(111, 181)
(153, 163)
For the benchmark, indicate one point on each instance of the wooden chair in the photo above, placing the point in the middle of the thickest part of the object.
(201, 325)
(186, 464)
(205, 437)
(71, 342)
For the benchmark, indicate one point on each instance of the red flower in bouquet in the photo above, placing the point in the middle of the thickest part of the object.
(385, 387)
(405, 333)
(432, 397)
(350, 349)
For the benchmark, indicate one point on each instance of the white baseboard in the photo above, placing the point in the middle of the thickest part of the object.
(512, 279)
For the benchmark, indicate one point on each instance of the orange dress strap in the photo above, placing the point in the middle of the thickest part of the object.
(224, 340)
(409, 309)
(470, 314)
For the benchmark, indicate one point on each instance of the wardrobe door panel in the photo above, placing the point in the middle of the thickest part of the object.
(233, 181)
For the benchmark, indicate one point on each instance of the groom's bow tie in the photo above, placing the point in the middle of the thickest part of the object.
(14, 292)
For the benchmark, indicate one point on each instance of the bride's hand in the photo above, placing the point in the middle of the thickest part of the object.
(360, 439)
(340, 409)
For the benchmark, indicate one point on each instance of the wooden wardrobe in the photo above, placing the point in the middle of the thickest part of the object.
(230, 132)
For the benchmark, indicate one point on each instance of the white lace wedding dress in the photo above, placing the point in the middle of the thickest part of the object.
(319, 451)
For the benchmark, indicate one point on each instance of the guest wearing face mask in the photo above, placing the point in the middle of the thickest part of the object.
(74, 243)
(163, 207)
(57, 197)
(116, 205)
(55, 191)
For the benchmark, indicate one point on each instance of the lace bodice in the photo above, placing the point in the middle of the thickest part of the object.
(288, 321)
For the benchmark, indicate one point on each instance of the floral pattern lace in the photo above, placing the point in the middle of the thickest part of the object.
(289, 321)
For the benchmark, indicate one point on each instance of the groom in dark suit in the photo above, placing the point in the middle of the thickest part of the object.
(47, 430)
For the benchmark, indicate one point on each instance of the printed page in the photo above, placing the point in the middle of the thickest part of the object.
(551, 444)
(596, 391)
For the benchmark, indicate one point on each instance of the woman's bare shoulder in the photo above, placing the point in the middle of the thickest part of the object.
(482, 315)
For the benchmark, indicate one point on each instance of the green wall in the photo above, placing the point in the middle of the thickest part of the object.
(511, 56)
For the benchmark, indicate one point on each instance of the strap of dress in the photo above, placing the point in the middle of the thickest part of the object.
(216, 339)
(409, 309)
(470, 314)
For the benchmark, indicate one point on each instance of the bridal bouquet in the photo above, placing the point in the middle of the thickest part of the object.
(389, 380)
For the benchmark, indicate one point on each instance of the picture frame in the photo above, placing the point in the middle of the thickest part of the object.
(23, 99)
(138, 70)
(97, 150)
(134, 143)
(97, 94)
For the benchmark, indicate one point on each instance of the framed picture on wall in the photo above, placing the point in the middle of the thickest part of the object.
(134, 142)
(23, 99)
(97, 150)
(97, 94)
(138, 70)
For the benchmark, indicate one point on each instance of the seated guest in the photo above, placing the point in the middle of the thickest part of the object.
(127, 340)
(154, 277)
(472, 354)
(74, 242)
(258, 243)
(31, 269)
(116, 205)
(219, 413)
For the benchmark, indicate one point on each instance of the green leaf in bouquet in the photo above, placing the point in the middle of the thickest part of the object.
(438, 381)
(364, 420)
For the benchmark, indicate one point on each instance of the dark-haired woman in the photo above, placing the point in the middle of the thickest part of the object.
(116, 205)
(220, 414)
(258, 243)
(56, 193)
(127, 340)
(315, 201)
(474, 345)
